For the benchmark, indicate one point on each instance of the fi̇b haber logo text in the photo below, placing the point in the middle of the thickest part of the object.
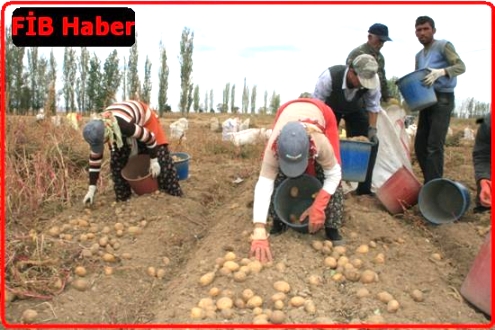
(73, 26)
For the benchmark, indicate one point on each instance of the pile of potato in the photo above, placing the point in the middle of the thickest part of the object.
(225, 303)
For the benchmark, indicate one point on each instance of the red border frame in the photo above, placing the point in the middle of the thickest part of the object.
(212, 325)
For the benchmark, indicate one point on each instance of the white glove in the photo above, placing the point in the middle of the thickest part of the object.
(433, 76)
(90, 196)
(154, 167)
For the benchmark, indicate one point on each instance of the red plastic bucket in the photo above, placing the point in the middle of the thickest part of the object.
(136, 172)
(477, 286)
(400, 191)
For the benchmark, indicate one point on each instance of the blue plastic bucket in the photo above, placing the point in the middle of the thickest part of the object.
(181, 164)
(292, 197)
(417, 95)
(355, 156)
(443, 201)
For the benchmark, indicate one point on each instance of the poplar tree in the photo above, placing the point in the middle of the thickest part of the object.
(33, 69)
(196, 99)
(206, 102)
(110, 80)
(146, 90)
(226, 94)
(163, 81)
(245, 98)
(274, 102)
(69, 78)
(232, 99)
(186, 67)
(211, 99)
(132, 73)
(253, 100)
(93, 84)
(83, 77)
(51, 101)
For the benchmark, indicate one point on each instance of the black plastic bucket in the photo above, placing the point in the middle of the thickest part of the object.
(289, 206)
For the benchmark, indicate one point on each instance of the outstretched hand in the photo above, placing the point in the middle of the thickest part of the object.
(260, 247)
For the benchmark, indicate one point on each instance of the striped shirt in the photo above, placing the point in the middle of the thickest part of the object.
(136, 120)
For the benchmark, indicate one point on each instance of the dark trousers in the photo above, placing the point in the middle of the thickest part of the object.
(357, 124)
(433, 125)
(167, 180)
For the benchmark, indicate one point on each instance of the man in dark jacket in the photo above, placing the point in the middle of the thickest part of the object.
(353, 94)
(482, 164)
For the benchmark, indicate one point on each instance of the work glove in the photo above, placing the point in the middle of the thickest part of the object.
(486, 193)
(154, 167)
(90, 196)
(260, 247)
(372, 135)
(316, 211)
(433, 76)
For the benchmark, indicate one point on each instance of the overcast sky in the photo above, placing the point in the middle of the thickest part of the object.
(284, 48)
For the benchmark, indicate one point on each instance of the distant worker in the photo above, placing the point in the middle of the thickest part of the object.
(353, 94)
(304, 140)
(377, 36)
(444, 65)
(129, 128)
(482, 164)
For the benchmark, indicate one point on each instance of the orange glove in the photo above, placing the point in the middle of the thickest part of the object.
(260, 247)
(486, 193)
(316, 212)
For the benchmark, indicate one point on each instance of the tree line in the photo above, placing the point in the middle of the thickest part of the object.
(90, 84)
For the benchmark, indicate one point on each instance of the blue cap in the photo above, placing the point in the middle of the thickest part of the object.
(293, 149)
(94, 134)
(380, 30)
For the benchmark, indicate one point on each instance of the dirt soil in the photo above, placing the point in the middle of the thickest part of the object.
(186, 238)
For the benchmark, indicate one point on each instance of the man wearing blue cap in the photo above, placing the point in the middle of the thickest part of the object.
(377, 36)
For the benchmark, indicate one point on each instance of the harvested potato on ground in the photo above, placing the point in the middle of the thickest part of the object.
(206, 303)
(29, 315)
(255, 266)
(310, 307)
(231, 265)
(230, 256)
(330, 262)
(255, 301)
(197, 313)
(393, 306)
(240, 276)
(281, 286)
(379, 258)
(278, 296)
(384, 297)
(368, 276)
(151, 271)
(362, 292)
(363, 249)
(317, 245)
(315, 279)
(80, 271)
(207, 279)
(224, 303)
(247, 294)
(277, 317)
(279, 304)
(214, 292)
(297, 301)
(160, 273)
(80, 284)
(417, 295)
